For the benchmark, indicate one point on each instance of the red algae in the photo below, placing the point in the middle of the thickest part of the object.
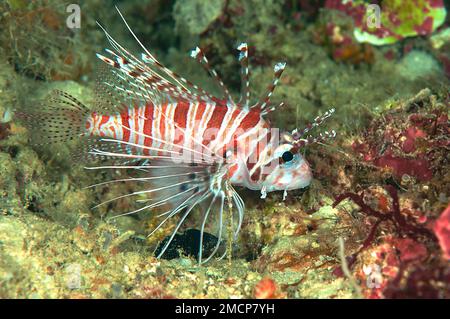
(405, 144)
(442, 231)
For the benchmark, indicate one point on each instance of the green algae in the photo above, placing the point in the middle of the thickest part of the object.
(195, 16)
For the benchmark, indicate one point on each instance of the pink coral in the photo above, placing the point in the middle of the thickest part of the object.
(265, 289)
(405, 146)
(398, 19)
(442, 231)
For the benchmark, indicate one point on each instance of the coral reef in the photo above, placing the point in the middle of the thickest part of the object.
(441, 230)
(393, 20)
(409, 146)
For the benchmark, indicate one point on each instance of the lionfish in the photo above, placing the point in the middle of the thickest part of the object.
(187, 146)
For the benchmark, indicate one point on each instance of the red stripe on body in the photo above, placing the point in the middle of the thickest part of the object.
(200, 112)
(214, 123)
(180, 118)
(148, 126)
(254, 158)
(217, 117)
(137, 129)
(250, 120)
(103, 120)
(162, 126)
(232, 144)
(125, 117)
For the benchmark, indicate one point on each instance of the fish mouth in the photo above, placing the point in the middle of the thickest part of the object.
(296, 178)
(303, 178)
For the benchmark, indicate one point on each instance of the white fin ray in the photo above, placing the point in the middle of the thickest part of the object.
(183, 186)
(147, 76)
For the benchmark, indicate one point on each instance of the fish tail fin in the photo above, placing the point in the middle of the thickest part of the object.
(61, 118)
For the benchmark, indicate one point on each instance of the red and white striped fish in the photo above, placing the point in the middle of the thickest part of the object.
(189, 146)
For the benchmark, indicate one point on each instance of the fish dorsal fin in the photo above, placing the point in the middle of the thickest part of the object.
(108, 100)
(146, 78)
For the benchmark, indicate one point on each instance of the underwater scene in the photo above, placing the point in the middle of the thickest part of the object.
(236, 149)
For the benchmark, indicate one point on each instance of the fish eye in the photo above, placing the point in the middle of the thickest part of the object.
(287, 156)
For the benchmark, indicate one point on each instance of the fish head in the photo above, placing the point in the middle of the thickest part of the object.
(290, 170)
(284, 168)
